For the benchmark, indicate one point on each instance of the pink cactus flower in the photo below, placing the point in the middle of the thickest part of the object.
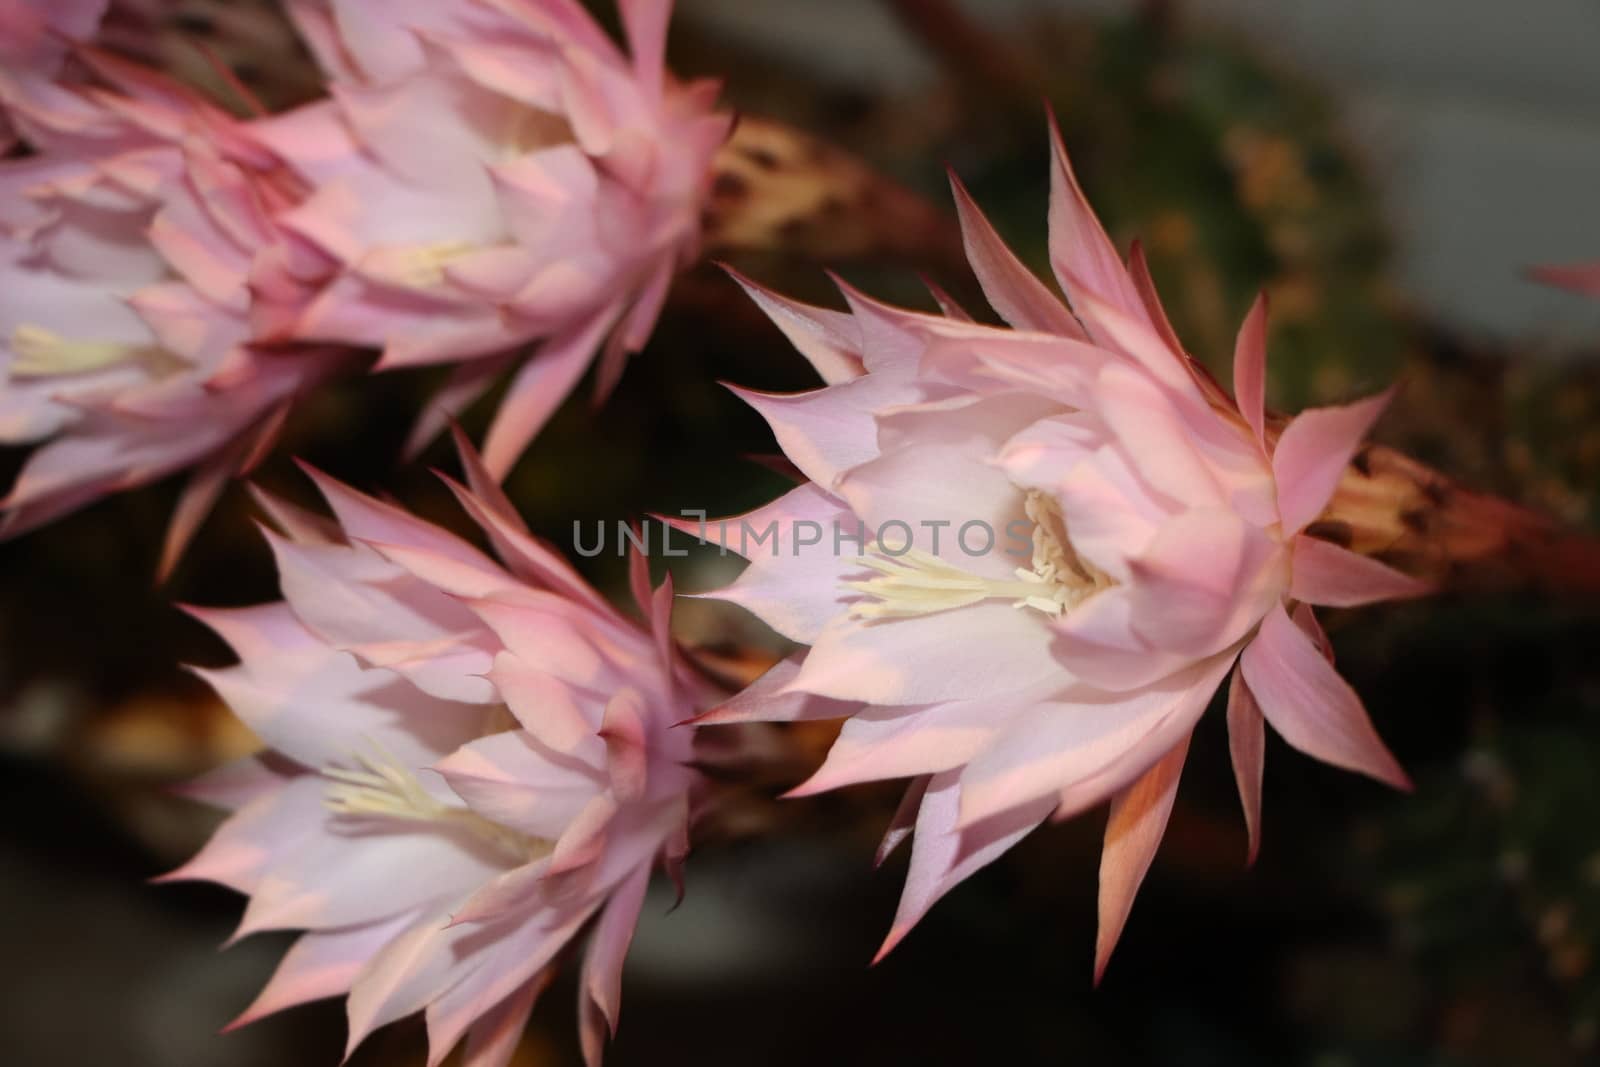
(488, 175)
(466, 765)
(1026, 558)
(136, 245)
(485, 175)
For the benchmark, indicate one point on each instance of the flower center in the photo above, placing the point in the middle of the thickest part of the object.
(38, 352)
(915, 582)
(380, 787)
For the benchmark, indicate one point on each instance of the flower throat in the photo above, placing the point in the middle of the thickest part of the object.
(915, 582)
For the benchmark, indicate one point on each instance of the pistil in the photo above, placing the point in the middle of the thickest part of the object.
(914, 582)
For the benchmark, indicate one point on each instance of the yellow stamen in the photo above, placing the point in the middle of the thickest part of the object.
(38, 352)
(380, 787)
(915, 582)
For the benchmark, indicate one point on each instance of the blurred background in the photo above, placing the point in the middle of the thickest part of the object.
(1387, 171)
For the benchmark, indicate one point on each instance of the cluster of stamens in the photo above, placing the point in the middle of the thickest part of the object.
(37, 352)
(914, 582)
(380, 787)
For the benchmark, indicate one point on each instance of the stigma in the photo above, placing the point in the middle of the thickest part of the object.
(914, 582)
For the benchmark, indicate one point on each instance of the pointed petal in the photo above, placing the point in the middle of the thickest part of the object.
(538, 390)
(585, 838)
(1081, 253)
(366, 518)
(483, 484)
(1247, 746)
(609, 367)
(829, 340)
(1306, 618)
(1330, 576)
(946, 302)
(1152, 431)
(1013, 290)
(1139, 270)
(905, 819)
(493, 1039)
(496, 898)
(259, 442)
(828, 431)
(639, 576)
(1250, 369)
(798, 557)
(1086, 745)
(296, 523)
(526, 556)
(194, 504)
(501, 960)
(239, 781)
(1306, 701)
(241, 849)
(545, 705)
(608, 946)
(1314, 451)
(880, 743)
(1138, 820)
(467, 383)
(942, 856)
(769, 699)
(658, 615)
(646, 24)
(321, 964)
(428, 962)
(892, 338)
(317, 705)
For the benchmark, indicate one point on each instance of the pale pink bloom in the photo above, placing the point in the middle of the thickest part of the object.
(467, 763)
(491, 174)
(1149, 537)
(135, 247)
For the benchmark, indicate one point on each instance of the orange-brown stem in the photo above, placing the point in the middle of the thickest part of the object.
(1404, 512)
(778, 189)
